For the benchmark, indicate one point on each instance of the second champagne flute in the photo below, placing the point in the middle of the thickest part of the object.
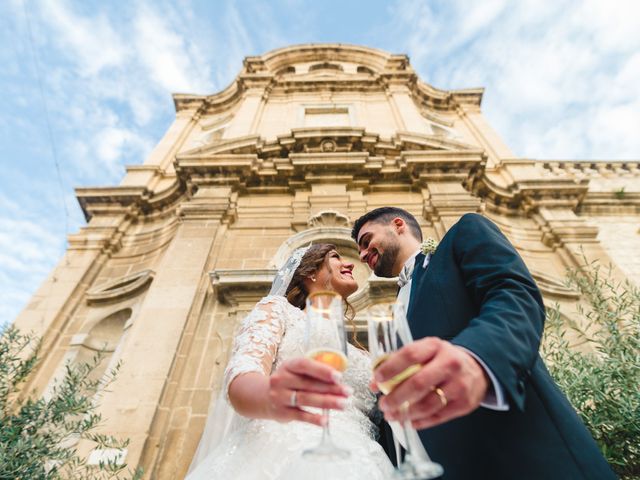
(387, 332)
(326, 342)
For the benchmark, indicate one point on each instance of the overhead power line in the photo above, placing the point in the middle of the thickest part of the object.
(43, 98)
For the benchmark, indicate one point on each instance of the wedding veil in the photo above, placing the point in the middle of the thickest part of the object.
(222, 417)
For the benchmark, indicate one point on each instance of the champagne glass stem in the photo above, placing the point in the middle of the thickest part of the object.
(417, 465)
(404, 421)
(326, 436)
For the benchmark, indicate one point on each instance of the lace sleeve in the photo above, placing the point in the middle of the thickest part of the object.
(256, 344)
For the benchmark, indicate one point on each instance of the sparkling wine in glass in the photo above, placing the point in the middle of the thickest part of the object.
(326, 342)
(388, 331)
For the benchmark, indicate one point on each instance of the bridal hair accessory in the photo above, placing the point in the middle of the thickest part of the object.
(285, 274)
(429, 246)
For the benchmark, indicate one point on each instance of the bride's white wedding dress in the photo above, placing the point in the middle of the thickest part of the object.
(265, 449)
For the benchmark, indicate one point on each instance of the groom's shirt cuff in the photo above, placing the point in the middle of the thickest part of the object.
(495, 398)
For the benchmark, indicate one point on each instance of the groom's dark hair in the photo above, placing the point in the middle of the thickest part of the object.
(385, 215)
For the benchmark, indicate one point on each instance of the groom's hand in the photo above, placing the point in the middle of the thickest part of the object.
(449, 384)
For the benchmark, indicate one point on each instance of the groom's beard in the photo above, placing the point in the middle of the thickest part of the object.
(384, 267)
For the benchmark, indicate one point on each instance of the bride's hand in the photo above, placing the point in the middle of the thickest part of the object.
(301, 382)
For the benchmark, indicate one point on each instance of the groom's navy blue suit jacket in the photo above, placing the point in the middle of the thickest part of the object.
(477, 292)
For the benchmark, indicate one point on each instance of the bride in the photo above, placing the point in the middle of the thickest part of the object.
(270, 387)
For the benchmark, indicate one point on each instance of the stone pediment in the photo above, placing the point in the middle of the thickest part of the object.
(309, 155)
(328, 140)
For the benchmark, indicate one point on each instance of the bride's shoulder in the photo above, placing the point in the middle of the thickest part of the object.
(279, 304)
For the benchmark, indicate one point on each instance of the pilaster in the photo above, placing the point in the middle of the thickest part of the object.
(176, 292)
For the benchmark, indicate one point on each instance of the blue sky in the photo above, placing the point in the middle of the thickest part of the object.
(87, 86)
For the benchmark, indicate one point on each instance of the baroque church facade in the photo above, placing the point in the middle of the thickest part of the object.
(306, 139)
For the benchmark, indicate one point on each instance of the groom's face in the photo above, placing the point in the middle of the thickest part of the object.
(379, 246)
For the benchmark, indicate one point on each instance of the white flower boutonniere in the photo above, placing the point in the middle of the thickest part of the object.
(429, 246)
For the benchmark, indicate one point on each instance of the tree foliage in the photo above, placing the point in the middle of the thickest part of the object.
(601, 375)
(39, 436)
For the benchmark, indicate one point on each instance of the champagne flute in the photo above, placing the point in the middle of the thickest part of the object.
(388, 330)
(326, 342)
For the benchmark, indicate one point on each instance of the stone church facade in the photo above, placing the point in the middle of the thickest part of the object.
(305, 140)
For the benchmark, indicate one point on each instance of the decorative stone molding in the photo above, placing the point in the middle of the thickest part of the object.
(121, 288)
(551, 287)
(236, 287)
(562, 226)
(517, 185)
(298, 159)
(328, 145)
(383, 70)
(127, 200)
(328, 218)
(377, 290)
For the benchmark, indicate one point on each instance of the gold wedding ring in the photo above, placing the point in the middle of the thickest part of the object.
(293, 400)
(443, 398)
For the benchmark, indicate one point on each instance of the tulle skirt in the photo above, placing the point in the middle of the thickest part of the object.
(264, 449)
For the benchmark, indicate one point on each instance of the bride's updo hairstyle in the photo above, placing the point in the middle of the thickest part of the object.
(309, 265)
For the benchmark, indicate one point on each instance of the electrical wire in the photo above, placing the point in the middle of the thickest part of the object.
(52, 143)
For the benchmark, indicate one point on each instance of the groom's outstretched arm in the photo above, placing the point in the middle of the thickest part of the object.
(506, 332)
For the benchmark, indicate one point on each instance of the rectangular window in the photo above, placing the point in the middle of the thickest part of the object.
(327, 116)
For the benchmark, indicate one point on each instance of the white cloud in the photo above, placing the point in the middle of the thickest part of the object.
(27, 250)
(561, 78)
(111, 143)
(171, 62)
(91, 42)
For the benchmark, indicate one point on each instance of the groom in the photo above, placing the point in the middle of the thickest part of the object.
(483, 399)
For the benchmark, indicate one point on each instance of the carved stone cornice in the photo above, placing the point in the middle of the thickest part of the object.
(312, 155)
(383, 71)
(304, 157)
(437, 166)
(561, 226)
(126, 200)
(517, 184)
(235, 287)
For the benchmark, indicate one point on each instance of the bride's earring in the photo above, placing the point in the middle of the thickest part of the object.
(313, 279)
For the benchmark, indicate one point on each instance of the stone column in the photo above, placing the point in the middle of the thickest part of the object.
(484, 134)
(246, 120)
(404, 108)
(132, 404)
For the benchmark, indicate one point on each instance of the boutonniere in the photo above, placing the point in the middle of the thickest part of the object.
(429, 246)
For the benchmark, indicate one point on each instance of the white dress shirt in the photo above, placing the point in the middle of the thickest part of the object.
(495, 398)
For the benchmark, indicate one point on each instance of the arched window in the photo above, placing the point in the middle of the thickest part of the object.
(105, 336)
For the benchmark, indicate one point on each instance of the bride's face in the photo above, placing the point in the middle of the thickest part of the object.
(335, 274)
